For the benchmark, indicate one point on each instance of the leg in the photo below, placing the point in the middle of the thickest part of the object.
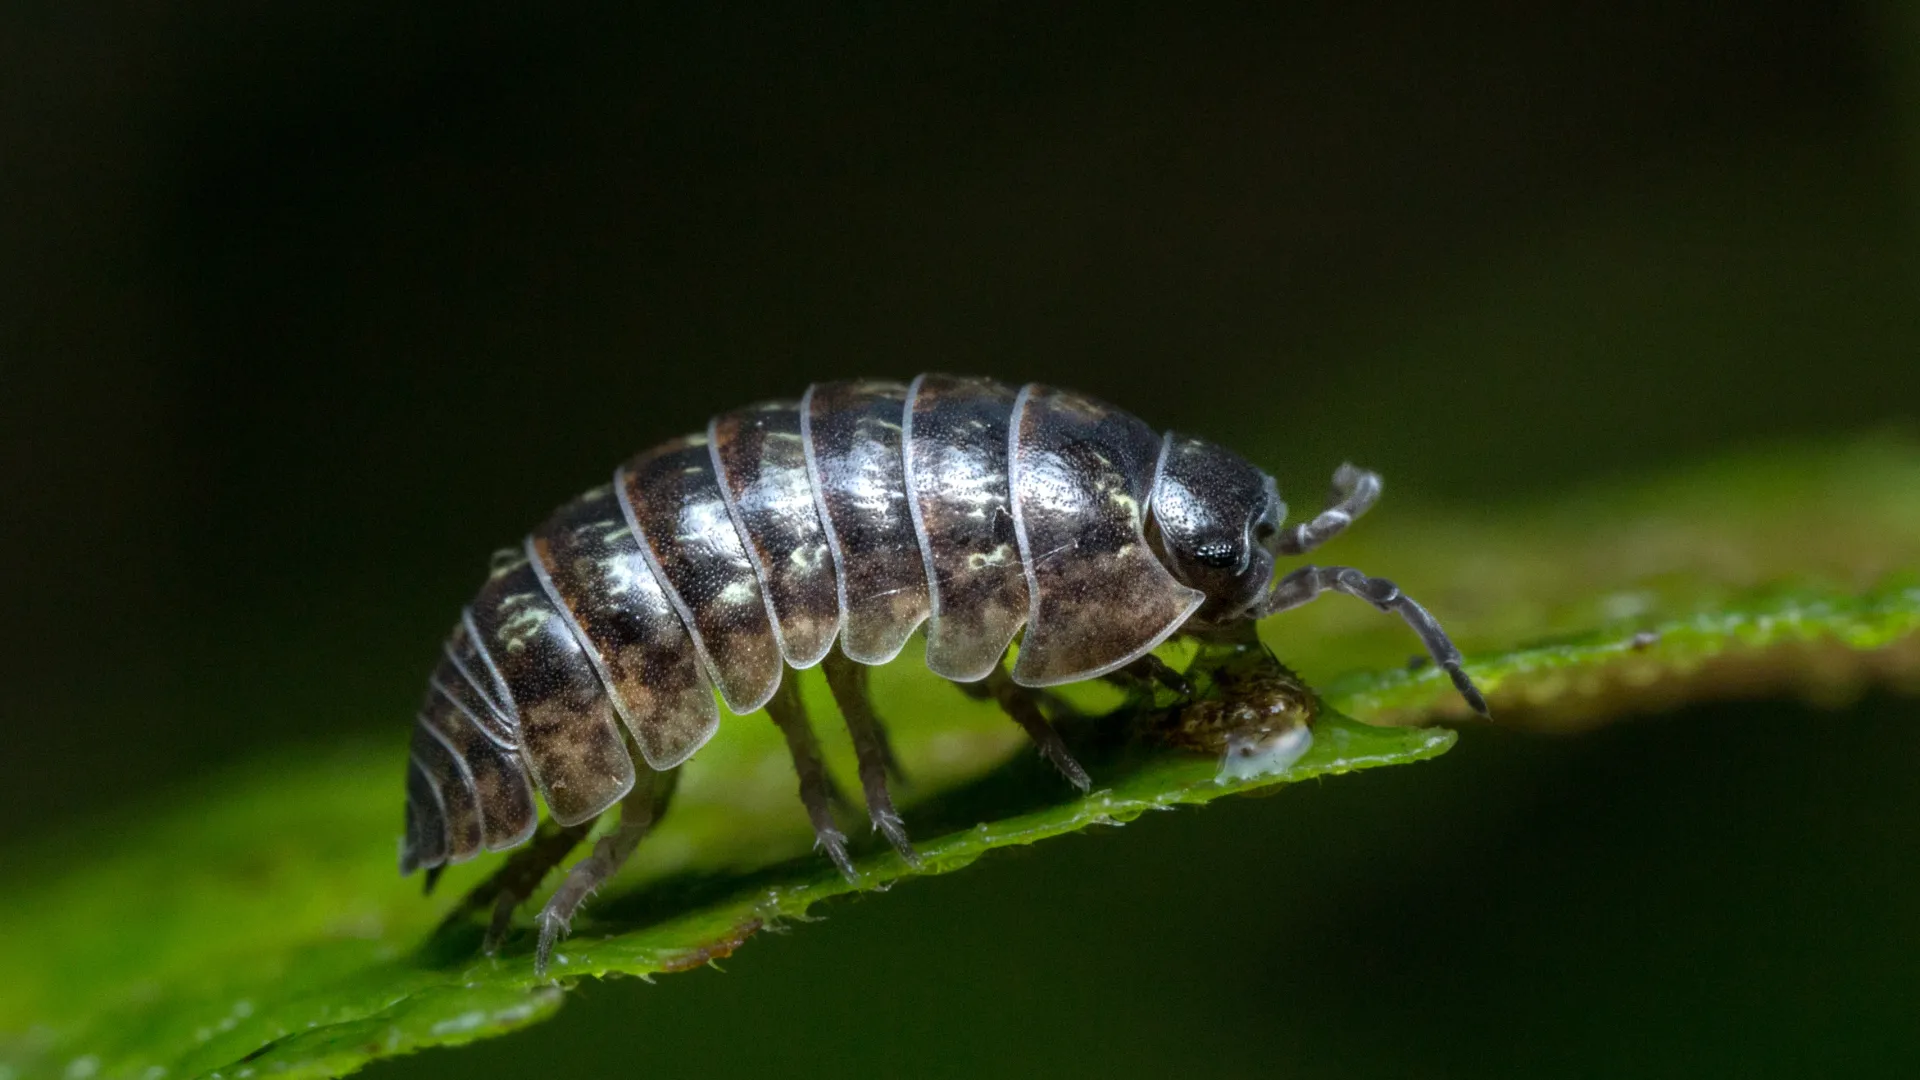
(848, 681)
(1049, 702)
(791, 716)
(845, 677)
(1308, 582)
(639, 811)
(1019, 702)
(517, 879)
(1146, 674)
(1355, 490)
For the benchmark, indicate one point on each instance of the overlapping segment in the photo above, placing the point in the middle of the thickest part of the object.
(565, 719)
(425, 843)
(853, 444)
(673, 503)
(496, 774)
(1081, 471)
(594, 570)
(475, 727)
(762, 463)
(459, 807)
(956, 433)
(470, 676)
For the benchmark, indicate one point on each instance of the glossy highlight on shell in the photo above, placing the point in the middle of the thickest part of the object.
(826, 531)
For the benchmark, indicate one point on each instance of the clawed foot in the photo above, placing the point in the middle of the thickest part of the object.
(553, 927)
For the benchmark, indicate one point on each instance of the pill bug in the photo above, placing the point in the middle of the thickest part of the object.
(827, 531)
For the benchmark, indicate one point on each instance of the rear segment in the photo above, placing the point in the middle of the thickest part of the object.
(568, 730)
(467, 789)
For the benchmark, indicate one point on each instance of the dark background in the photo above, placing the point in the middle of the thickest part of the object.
(303, 311)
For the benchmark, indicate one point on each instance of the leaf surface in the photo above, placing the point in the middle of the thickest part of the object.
(254, 925)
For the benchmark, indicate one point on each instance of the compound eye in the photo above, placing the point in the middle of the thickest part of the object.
(1217, 554)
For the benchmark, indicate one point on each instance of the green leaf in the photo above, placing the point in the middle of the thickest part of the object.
(261, 924)
(1796, 570)
(254, 925)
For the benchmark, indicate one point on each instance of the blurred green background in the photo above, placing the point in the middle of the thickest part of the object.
(304, 310)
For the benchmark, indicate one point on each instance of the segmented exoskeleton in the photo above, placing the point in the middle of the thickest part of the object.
(826, 531)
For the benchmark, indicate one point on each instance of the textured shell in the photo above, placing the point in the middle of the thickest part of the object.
(716, 561)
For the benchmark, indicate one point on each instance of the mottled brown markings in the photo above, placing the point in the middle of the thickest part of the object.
(567, 723)
(449, 777)
(761, 460)
(496, 775)
(595, 573)
(507, 811)
(851, 431)
(673, 503)
(1081, 475)
(956, 433)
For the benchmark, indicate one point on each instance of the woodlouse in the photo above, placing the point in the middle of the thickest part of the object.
(826, 531)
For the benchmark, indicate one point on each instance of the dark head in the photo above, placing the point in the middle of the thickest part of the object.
(1216, 521)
